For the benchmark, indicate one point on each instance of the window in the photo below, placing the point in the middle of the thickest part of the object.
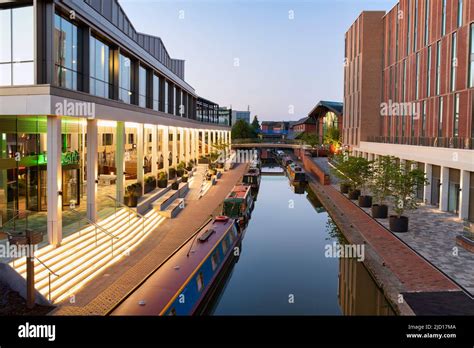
(125, 79)
(438, 67)
(215, 260)
(440, 117)
(156, 93)
(99, 68)
(174, 111)
(142, 87)
(166, 97)
(460, 12)
(181, 106)
(417, 81)
(225, 246)
(454, 61)
(408, 29)
(415, 27)
(65, 48)
(200, 281)
(428, 74)
(443, 19)
(456, 116)
(427, 22)
(16, 46)
(471, 58)
(107, 139)
(423, 120)
(404, 90)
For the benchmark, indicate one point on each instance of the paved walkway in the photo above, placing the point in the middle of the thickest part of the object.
(101, 294)
(432, 233)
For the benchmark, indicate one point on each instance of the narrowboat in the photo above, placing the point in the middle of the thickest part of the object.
(296, 173)
(184, 282)
(239, 204)
(286, 161)
(252, 178)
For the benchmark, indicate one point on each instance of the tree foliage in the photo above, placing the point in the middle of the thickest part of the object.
(242, 130)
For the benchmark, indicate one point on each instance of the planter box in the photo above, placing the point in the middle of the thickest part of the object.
(150, 186)
(365, 201)
(131, 201)
(354, 195)
(465, 243)
(163, 183)
(379, 211)
(398, 224)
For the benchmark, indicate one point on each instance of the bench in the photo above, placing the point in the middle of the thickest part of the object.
(173, 209)
(169, 197)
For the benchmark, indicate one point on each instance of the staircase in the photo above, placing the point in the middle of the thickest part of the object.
(200, 185)
(61, 271)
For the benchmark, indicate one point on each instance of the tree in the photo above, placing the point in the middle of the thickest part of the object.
(310, 139)
(382, 171)
(256, 124)
(242, 130)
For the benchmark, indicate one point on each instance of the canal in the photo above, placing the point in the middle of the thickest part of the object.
(283, 268)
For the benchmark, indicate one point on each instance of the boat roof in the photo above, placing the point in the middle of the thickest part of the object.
(162, 287)
(239, 191)
(296, 168)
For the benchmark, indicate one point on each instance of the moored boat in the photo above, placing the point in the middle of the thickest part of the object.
(184, 281)
(296, 173)
(239, 204)
(252, 178)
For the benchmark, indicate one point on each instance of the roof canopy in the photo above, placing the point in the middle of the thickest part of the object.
(324, 106)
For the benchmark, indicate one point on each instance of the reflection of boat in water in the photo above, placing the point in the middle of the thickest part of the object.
(252, 178)
(181, 284)
(239, 204)
(296, 173)
(299, 189)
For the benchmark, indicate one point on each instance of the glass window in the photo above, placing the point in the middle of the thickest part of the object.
(438, 67)
(427, 22)
(408, 30)
(443, 19)
(423, 120)
(454, 61)
(99, 68)
(16, 46)
(460, 12)
(156, 93)
(428, 74)
(415, 27)
(440, 117)
(65, 47)
(125, 79)
(174, 111)
(417, 81)
(166, 96)
(200, 281)
(456, 117)
(215, 260)
(142, 87)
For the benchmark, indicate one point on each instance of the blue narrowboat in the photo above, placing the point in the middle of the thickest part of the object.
(184, 282)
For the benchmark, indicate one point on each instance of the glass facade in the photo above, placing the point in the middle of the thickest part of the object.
(99, 68)
(471, 57)
(16, 46)
(142, 93)
(156, 93)
(125, 79)
(65, 53)
(454, 63)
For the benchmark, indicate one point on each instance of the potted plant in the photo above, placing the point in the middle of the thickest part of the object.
(404, 182)
(175, 185)
(339, 169)
(132, 193)
(184, 178)
(171, 173)
(190, 166)
(363, 170)
(150, 183)
(180, 169)
(162, 180)
(382, 171)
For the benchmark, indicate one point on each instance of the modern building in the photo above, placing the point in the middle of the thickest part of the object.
(409, 82)
(225, 116)
(89, 106)
(326, 115)
(240, 115)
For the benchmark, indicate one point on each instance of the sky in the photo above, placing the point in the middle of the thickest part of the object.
(278, 57)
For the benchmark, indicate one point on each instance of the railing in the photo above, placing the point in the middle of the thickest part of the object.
(14, 221)
(96, 227)
(130, 211)
(452, 142)
(50, 273)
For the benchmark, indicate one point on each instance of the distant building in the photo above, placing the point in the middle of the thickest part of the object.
(225, 116)
(240, 115)
(276, 130)
(304, 125)
(326, 114)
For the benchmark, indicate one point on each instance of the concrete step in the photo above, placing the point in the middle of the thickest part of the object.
(173, 209)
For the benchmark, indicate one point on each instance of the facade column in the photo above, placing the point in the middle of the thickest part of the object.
(54, 180)
(444, 189)
(187, 145)
(154, 150)
(209, 149)
(165, 149)
(427, 188)
(193, 144)
(464, 194)
(203, 143)
(120, 161)
(141, 155)
(175, 147)
(92, 169)
(182, 145)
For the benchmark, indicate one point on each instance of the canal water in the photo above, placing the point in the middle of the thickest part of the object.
(282, 268)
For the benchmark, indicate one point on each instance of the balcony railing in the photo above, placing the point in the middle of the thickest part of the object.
(450, 143)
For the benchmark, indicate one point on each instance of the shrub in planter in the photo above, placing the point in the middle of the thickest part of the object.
(365, 201)
(150, 183)
(180, 169)
(382, 170)
(190, 166)
(379, 211)
(354, 194)
(175, 185)
(184, 178)
(171, 173)
(404, 183)
(133, 192)
(162, 180)
(344, 187)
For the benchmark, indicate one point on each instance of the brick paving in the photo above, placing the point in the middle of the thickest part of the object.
(104, 292)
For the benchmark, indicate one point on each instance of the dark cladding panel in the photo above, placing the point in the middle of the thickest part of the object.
(115, 13)
(120, 19)
(96, 4)
(107, 9)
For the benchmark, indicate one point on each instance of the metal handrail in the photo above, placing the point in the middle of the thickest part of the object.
(51, 272)
(15, 217)
(97, 226)
(143, 217)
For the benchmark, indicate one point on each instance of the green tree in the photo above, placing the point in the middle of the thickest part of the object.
(256, 124)
(310, 139)
(332, 136)
(242, 130)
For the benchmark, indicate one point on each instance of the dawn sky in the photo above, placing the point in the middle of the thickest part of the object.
(244, 52)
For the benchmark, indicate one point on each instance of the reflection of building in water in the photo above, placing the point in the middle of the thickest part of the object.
(358, 293)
